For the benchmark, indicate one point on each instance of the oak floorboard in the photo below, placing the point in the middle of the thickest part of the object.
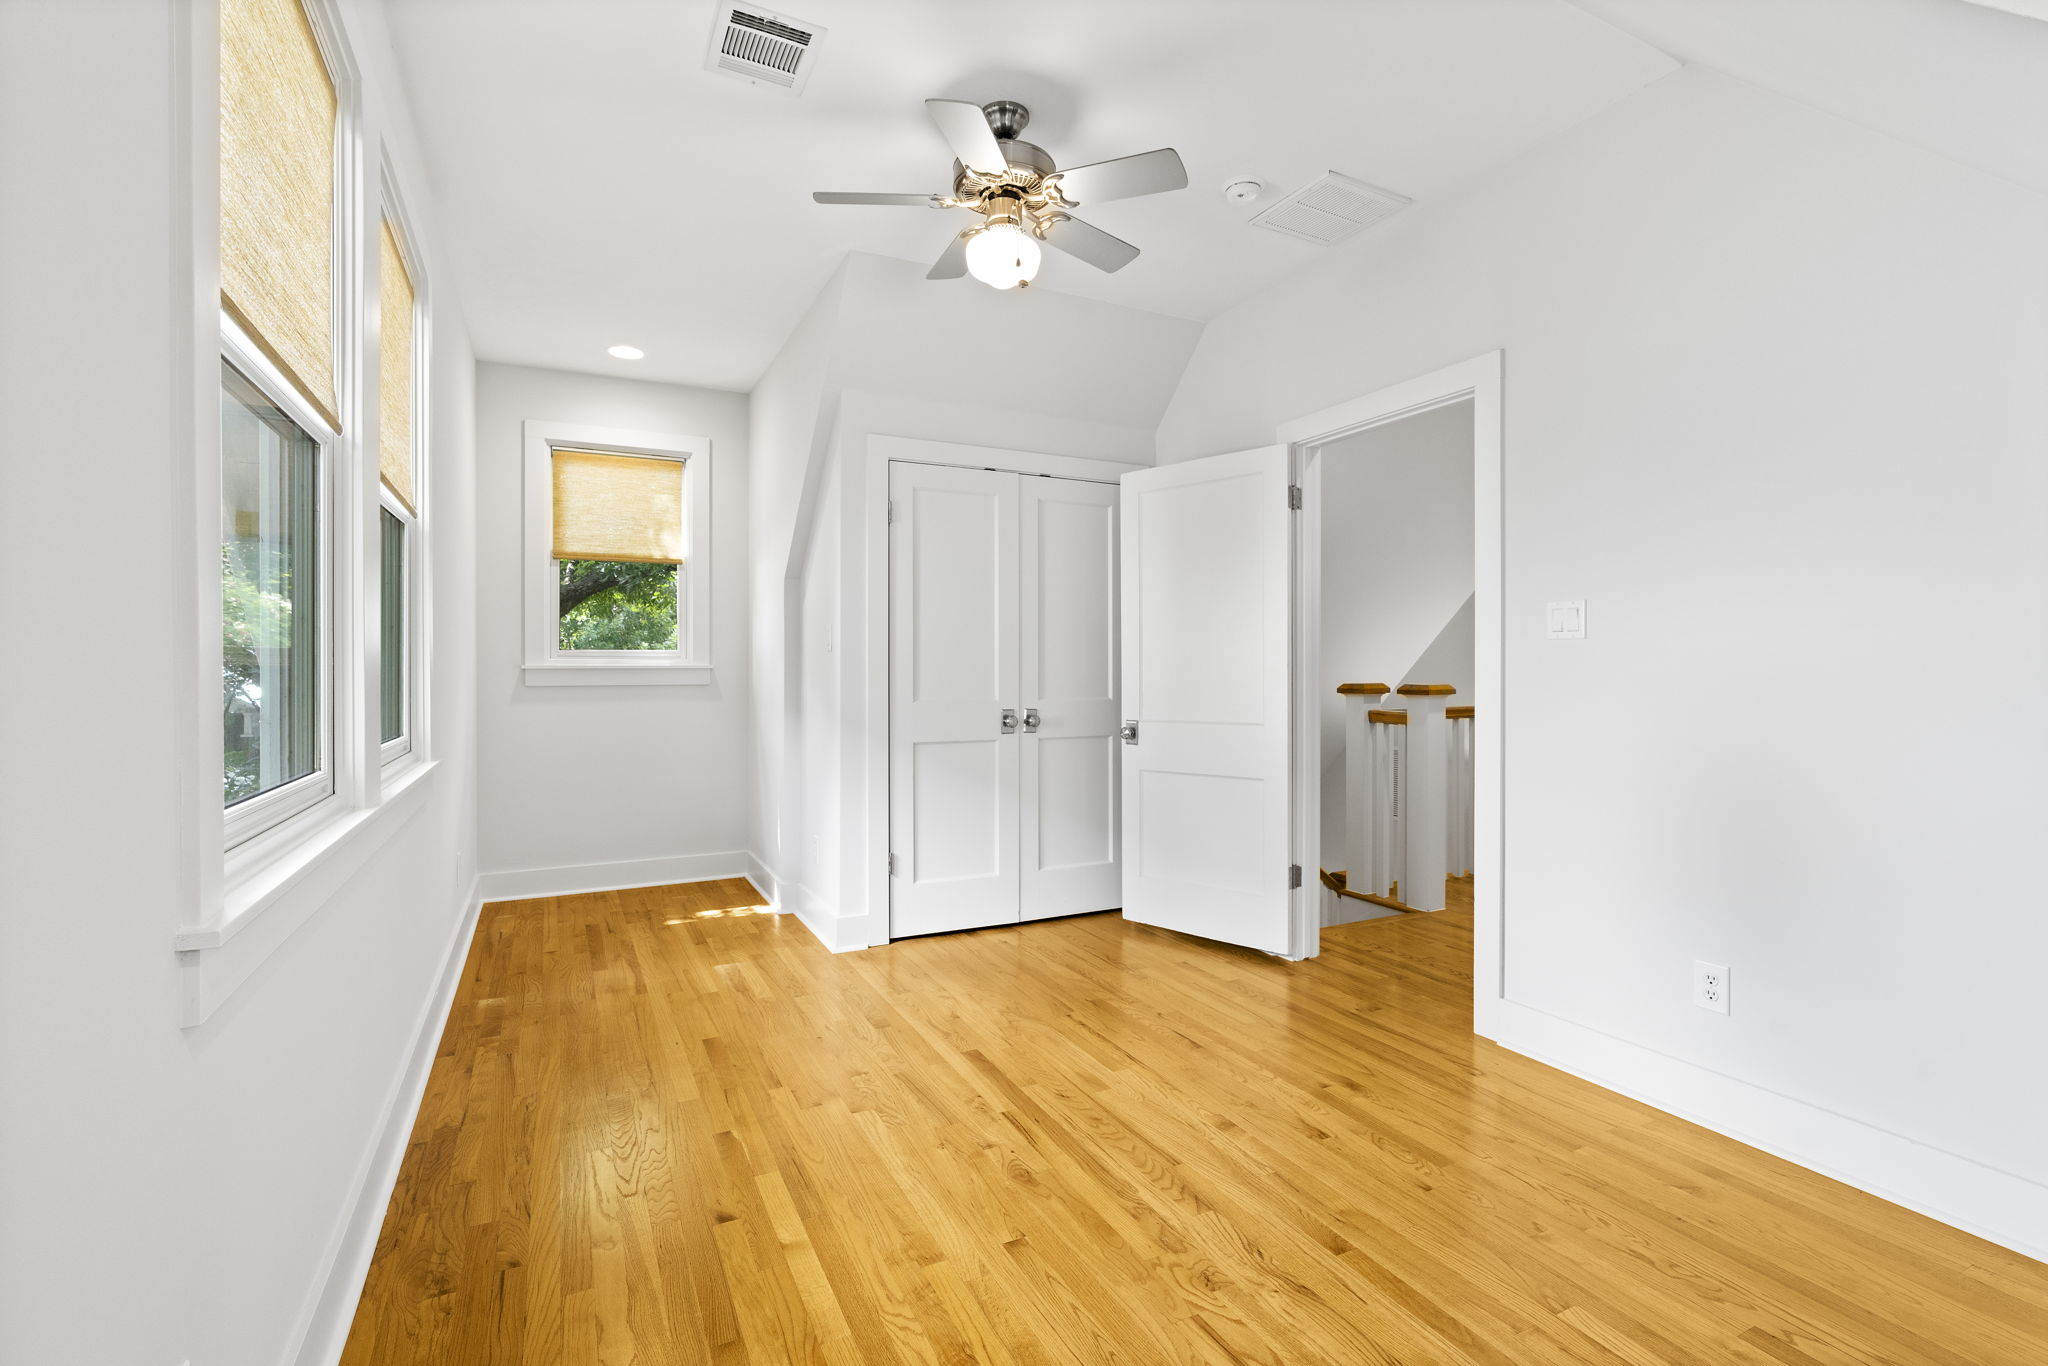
(667, 1128)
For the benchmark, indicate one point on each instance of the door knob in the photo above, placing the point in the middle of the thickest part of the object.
(1129, 733)
(1009, 720)
(1031, 720)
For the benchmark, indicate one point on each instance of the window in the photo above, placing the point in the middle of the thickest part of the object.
(391, 691)
(618, 573)
(285, 577)
(274, 698)
(398, 474)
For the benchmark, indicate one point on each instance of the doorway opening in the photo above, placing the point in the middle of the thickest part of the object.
(1394, 711)
(1398, 575)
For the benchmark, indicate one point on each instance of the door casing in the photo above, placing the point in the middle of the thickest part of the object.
(1480, 380)
(881, 450)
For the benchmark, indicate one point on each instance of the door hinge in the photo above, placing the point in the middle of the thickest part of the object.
(1293, 876)
(892, 865)
(1294, 497)
(891, 517)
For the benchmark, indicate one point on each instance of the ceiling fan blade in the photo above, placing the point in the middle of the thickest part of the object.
(966, 131)
(953, 263)
(1124, 178)
(1090, 243)
(907, 201)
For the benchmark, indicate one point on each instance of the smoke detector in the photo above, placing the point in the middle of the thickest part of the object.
(763, 48)
(1329, 210)
(1243, 191)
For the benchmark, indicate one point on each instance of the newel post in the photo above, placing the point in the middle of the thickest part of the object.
(1427, 817)
(1361, 791)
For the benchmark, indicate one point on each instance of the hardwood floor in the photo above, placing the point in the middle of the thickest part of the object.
(664, 1129)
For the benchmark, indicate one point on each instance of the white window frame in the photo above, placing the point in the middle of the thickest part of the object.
(392, 751)
(411, 743)
(546, 664)
(258, 815)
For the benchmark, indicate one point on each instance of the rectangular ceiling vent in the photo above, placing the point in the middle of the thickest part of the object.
(1331, 209)
(764, 47)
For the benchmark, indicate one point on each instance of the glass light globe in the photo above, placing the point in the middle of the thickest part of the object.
(1002, 255)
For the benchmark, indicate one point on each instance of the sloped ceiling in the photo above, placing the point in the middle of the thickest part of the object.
(1965, 79)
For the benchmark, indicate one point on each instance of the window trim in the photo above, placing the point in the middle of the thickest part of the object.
(413, 745)
(546, 664)
(255, 816)
(391, 751)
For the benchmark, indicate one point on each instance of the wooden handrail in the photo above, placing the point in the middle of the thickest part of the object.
(1387, 718)
(1425, 690)
(1363, 689)
(1339, 882)
(1458, 713)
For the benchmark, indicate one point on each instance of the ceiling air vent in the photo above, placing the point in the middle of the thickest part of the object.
(764, 47)
(1331, 209)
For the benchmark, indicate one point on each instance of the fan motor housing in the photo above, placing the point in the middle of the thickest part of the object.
(1029, 164)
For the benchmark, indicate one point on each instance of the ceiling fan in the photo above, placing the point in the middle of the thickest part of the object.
(1023, 197)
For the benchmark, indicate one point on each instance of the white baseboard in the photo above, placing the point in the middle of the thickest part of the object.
(324, 1324)
(569, 879)
(764, 880)
(2004, 1208)
(839, 933)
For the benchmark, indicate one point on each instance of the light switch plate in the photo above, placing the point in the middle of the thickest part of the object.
(1567, 620)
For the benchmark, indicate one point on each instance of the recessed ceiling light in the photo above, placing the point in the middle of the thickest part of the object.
(626, 352)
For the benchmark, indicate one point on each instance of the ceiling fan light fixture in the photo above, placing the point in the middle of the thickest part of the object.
(1003, 255)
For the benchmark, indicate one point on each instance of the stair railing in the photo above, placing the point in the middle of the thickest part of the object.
(1408, 794)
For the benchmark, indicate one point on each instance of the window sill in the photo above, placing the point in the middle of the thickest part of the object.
(266, 900)
(614, 675)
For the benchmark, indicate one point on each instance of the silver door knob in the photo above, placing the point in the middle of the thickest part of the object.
(1009, 720)
(1129, 733)
(1031, 720)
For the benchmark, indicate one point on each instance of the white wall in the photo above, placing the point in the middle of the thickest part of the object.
(591, 778)
(171, 1193)
(1450, 657)
(789, 424)
(1775, 408)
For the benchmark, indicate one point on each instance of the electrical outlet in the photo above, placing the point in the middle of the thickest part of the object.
(1710, 987)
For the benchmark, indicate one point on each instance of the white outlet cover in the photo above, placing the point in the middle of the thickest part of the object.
(1710, 987)
(1566, 620)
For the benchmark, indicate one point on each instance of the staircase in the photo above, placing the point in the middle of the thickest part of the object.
(1408, 795)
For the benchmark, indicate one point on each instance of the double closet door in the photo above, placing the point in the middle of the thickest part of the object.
(1003, 721)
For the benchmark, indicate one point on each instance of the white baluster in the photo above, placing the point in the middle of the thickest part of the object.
(1426, 810)
(1361, 789)
(1393, 850)
(1461, 790)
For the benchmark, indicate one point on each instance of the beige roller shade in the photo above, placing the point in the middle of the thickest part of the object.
(618, 507)
(394, 372)
(277, 112)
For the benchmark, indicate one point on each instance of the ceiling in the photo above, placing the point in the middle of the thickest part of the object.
(596, 185)
(1966, 80)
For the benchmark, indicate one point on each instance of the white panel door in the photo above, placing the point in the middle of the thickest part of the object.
(1206, 596)
(953, 780)
(1068, 578)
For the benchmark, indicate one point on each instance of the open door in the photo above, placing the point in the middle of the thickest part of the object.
(1207, 802)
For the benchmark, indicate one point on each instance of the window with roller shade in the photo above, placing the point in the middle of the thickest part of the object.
(617, 563)
(280, 415)
(618, 549)
(398, 449)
